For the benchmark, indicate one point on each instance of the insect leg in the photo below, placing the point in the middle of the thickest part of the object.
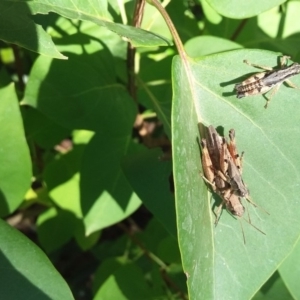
(290, 84)
(241, 161)
(283, 60)
(257, 66)
(275, 89)
(213, 186)
(219, 212)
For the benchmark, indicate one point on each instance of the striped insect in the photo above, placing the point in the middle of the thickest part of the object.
(261, 83)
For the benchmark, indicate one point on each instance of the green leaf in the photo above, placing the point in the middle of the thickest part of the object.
(119, 285)
(273, 30)
(212, 16)
(290, 271)
(5, 78)
(204, 45)
(26, 272)
(62, 179)
(242, 9)
(15, 167)
(149, 178)
(55, 228)
(83, 104)
(168, 250)
(83, 241)
(153, 235)
(41, 130)
(18, 28)
(106, 196)
(234, 269)
(105, 269)
(94, 11)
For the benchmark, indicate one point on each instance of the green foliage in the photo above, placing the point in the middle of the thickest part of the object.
(26, 272)
(15, 169)
(119, 220)
(19, 28)
(242, 9)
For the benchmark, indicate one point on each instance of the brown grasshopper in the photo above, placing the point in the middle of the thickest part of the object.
(233, 151)
(222, 169)
(261, 83)
(220, 186)
(221, 173)
(224, 162)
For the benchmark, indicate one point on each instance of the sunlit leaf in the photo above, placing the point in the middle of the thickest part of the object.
(234, 269)
(15, 167)
(92, 10)
(106, 196)
(242, 9)
(204, 45)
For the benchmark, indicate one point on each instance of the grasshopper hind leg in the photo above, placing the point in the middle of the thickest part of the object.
(257, 66)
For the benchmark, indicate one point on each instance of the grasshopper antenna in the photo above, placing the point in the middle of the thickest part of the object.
(244, 238)
(249, 222)
(256, 205)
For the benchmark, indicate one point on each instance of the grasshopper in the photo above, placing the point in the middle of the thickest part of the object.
(261, 83)
(222, 174)
(219, 185)
(222, 169)
(223, 161)
(207, 165)
(233, 151)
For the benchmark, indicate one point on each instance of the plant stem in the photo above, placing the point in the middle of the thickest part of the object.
(172, 28)
(239, 29)
(137, 20)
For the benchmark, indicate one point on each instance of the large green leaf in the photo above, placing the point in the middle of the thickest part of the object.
(204, 45)
(268, 137)
(242, 9)
(15, 167)
(84, 88)
(94, 11)
(106, 196)
(18, 28)
(26, 272)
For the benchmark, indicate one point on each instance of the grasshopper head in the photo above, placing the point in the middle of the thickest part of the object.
(234, 205)
(296, 67)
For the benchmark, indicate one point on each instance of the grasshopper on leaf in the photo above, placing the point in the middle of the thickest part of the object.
(222, 171)
(261, 83)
